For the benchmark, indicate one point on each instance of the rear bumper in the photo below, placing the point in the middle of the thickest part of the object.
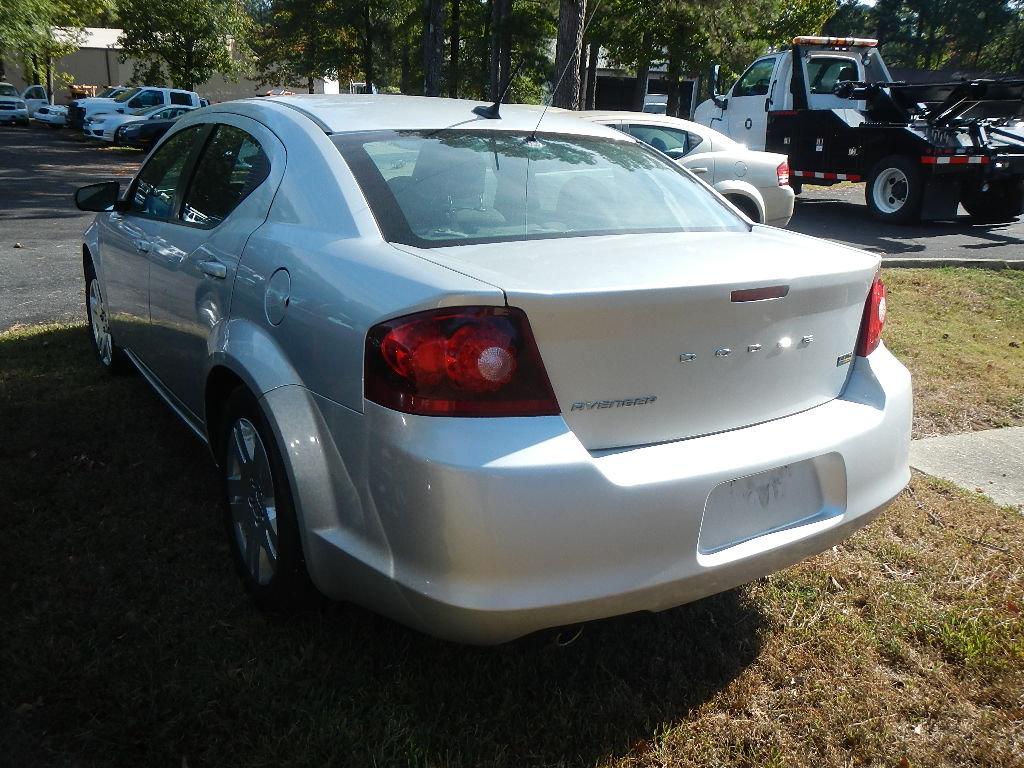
(483, 530)
(778, 205)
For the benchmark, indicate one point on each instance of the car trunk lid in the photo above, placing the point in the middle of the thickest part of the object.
(661, 337)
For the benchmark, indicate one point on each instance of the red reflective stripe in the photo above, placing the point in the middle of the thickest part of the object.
(829, 175)
(955, 160)
(760, 294)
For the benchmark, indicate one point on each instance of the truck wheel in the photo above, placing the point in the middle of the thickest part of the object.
(894, 190)
(1002, 201)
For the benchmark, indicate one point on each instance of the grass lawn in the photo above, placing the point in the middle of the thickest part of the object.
(961, 333)
(125, 638)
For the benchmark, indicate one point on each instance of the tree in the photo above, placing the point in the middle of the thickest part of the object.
(184, 41)
(571, 19)
(433, 46)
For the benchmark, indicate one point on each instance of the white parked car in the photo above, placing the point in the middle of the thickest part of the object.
(486, 376)
(13, 108)
(129, 100)
(54, 115)
(104, 125)
(755, 182)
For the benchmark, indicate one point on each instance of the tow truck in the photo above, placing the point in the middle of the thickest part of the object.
(921, 150)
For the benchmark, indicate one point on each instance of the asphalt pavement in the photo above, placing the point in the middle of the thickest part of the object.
(41, 281)
(40, 168)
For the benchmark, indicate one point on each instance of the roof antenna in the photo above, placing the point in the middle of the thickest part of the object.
(492, 112)
(568, 66)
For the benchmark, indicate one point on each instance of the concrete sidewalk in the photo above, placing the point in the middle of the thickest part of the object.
(989, 462)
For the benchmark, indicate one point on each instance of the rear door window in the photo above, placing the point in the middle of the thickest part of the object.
(158, 183)
(823, 72)
(667, 140)
(230, 168)
(177, 97)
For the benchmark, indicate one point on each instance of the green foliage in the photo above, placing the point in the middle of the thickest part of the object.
(185, 41)
(931, 34)
(38, 31)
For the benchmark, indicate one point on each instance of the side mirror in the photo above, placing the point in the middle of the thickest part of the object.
(716, 76)
(98, 197)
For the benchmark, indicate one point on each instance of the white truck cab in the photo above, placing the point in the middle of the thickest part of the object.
(766, 86)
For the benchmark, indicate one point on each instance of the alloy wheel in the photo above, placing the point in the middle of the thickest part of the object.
(99, 323)
(250, 487)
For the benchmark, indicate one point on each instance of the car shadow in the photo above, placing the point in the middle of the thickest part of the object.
(133, 637)
(841, 215)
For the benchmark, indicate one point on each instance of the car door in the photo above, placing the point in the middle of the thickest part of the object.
(196, 254)
(34, 98)
(126, 238)
(746, 117)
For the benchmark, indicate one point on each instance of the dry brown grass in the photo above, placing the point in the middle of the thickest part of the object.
(961, 333)
(905, 646)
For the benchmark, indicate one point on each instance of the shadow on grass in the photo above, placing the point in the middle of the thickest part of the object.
(128, 641)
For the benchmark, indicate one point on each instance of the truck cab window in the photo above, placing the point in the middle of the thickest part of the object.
(823, 72)
(757, 80)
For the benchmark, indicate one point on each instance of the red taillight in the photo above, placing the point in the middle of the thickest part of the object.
(459, 361)
(783, 172)
(874, 319)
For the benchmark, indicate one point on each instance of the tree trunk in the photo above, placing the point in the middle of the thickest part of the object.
(571, 14)
(595, 50)
(672, 108)
(485, 48)
(453, 55)
(505, 58)
(583, 76)
(493, 84)
(433, 47)
(368, 74)
(643, 70)
(405, 86)
(49, 79)
(310, 85)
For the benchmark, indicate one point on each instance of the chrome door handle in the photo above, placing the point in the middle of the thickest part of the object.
(214, 269)
(143, 246)
(699, 170)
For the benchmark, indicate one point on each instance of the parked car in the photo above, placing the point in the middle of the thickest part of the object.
(488, 376)
(129, 100)
(145, 133)
(105, 125)
(755, 182)
(13, 108)
(54, 116)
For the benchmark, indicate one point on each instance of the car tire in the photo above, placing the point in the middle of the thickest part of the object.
(894, 190)
(259, 510)
(1002, 202)
(108, 353)
(746, 205)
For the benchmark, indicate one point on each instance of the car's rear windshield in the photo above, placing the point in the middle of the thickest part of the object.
(438, 188)
(8, 90)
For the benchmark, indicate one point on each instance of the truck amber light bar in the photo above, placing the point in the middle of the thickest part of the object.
(863, 42)
(954, 160)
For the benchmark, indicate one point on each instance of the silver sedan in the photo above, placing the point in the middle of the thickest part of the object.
(491, 374)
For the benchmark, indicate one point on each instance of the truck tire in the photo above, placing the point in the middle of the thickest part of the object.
(1003, 201)
(894, 190)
